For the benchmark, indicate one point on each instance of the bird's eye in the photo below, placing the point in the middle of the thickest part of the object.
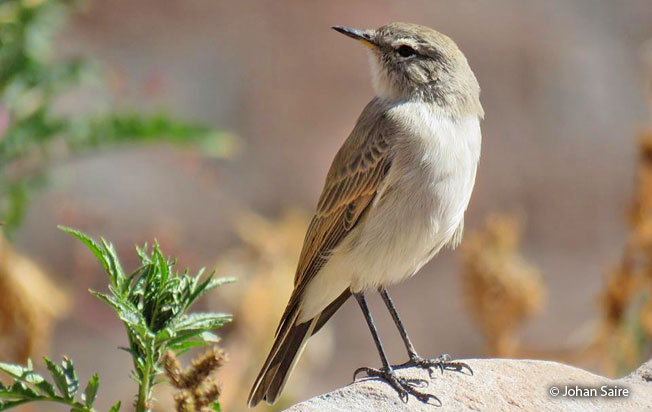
(406, 51)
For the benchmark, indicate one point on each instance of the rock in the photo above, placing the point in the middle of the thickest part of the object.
(496, 385)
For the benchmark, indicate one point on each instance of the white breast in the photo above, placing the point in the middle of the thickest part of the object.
(427, 193)
(435, 165)
(417, 211)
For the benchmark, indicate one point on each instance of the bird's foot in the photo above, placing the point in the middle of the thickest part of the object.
(403, 386)
(442, 362)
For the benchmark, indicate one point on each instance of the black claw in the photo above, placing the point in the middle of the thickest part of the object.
(357, 371)
(465, 366)
(459, 367)
(443, 362)
(434, 398)
(404, 387)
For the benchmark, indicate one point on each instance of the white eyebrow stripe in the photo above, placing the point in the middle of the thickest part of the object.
(404, 42)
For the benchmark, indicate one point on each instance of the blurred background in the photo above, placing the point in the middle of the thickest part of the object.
(210, 126)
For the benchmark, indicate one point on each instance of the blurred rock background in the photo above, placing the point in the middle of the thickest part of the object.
(564, 90)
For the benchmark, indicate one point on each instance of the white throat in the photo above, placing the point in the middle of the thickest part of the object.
(381, 84)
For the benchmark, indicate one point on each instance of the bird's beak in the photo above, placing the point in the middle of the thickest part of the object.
(362, 36)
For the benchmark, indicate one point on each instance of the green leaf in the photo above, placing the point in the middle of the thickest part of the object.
(202, 321)
(72, 382)
(196, 327)
(152, 303)
(91, 391)
(161, 263)
(90, 244)
(44, 386)
(164, 334)
(134, 320)
(110, 300)
(21, 389)
(116, 407)
(58, 376)
(16, 371)
(192, 342)
(221, 281)
(115, 271)
(26, 374)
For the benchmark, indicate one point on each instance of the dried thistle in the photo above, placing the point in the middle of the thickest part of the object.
(207, 393)
(153, 302)
(197, 390)
(502, 289)
(184, 401)
(29, 306)
(173, 370)
(626, 332)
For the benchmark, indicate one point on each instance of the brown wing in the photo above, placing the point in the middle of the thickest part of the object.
(356, 175)
(353, 181)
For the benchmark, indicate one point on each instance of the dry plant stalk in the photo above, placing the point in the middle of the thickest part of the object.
(626, 332)
(264, 264)
(197, 390)
(29, 305)
(502, 289)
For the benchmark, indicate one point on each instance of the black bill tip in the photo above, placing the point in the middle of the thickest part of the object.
(359, 35)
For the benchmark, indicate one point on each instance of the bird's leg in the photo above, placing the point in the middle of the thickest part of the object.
(404, 387)
(441, 362)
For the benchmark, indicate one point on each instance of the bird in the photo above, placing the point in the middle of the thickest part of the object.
(395, 195)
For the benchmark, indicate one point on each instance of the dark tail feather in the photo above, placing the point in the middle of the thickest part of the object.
(286, 350)
(288, 345)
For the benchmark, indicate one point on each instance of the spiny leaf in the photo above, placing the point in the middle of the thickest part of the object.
(161, 263)
(21, 389)
(72, 382)
(116, 407)
(90, 244)
(202, 321)
(58, 376)
(16, 371)
(37, 380)
(193, 340)
(91, 390)
(165, 334)
(134, 320)
(115, 271)
(27, 375)
(201, 329)
(110, 300)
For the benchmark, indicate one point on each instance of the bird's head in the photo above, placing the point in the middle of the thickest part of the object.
(411, 62)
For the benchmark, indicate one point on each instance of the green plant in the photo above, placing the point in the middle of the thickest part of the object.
(153, 304)
(36, 134)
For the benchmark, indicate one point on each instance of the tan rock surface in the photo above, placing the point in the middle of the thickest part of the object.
(497, 385)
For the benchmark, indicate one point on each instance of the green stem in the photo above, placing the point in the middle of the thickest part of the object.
(73, 404)
(145, 389)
